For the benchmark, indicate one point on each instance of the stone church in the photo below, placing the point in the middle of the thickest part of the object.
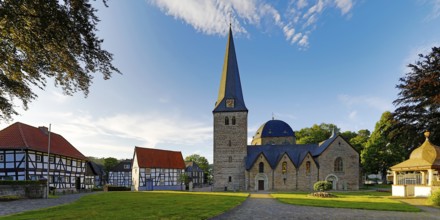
(273, 161)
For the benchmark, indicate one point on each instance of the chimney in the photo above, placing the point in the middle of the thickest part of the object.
(44, 129)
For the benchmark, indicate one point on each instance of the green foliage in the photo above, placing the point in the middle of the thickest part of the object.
(418, 102)
(360, 140)
(9, 197)
(141, 205)
(184, 178)
(42, 39)
(109, 163)
(381, 152)
(322, 186)
(315, 134)
(109, 188)
(434, 199)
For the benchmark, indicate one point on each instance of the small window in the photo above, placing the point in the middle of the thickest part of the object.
(38, 158)
(229, 143)
(52, 159)
(261, 167)
(339, 165)
(2, 158)
(284, 167)
(230, 159)
(226, 120)
(233, 120)
(308, 167)
(68, 162)
(126, 166)
(230, 179)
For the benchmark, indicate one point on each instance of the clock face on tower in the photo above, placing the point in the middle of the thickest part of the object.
(229, 103)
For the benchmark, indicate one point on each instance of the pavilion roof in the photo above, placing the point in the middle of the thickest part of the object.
(427, 156)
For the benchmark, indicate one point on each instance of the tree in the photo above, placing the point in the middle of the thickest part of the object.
(360, 140)
(380, 151)
(315, 134)
(418, 102)
(109, 163)
(41, 39)
(201, 161)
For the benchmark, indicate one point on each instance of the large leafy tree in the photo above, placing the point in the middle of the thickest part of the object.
(418, 102)
(381, 150)
(360, 140)
(315, 134)
(41, 39)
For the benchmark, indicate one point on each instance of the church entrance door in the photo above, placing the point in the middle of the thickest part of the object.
(260, 184)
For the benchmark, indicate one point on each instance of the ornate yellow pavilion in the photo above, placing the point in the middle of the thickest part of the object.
(419, 175)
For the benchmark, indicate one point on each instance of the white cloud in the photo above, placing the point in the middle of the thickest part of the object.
(344, 5)
(435, 13)
(212, 16)
(368, 101)
(352, 115)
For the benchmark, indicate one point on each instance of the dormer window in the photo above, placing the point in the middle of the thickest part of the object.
(126, 166)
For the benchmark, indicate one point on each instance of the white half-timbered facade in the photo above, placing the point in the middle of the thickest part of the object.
(24, 156)
(120, 175)
(155, 169)
(195, 173)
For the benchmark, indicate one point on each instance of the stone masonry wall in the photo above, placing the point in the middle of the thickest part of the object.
(255, 175)
(348, 179)
(307, 179)
(31, 191)
(286, 181)
(230, 148)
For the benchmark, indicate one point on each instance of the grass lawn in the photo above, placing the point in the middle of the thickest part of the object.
(141, 205)
(352, 200)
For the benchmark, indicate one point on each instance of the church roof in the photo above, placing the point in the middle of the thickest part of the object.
(296, 152)
(274, 128)
(156, 158)
(23, 136)
(425, 156)
(230, 85)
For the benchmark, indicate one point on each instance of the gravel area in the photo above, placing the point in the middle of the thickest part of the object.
(263, 206)
(22, 205)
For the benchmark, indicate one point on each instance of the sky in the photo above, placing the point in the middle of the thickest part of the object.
(304, 62)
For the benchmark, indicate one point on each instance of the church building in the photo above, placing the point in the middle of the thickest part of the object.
(273, 161)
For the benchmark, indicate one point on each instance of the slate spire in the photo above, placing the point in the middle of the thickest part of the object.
(230, 95)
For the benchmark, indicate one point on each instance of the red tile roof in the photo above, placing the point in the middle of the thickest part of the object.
(155, 158)
(23, 136)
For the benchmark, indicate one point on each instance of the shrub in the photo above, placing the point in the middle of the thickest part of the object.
(323, 195)
(108, 188)
(435, 198)
(322, 186)
(9, 198)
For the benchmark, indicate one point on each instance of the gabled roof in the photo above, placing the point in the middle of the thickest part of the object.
(156, 158)
(97, 169)
(23, 136)
(192, 166)
(121, 166)
(230, 85)
(273, 153)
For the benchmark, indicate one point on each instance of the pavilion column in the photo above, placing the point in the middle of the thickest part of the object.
(423, 177)
(430, 177)
(394, 177)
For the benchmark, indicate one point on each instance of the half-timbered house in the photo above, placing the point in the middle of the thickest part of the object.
(195, 173)
(24, 156)
(155, 169)
(100, 177)
(120, 175)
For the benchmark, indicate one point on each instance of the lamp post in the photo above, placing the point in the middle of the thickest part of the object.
(48, 163)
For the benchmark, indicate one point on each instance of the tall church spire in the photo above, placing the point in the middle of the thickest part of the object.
(230, 96)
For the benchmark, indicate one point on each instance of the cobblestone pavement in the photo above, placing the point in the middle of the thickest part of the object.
(263, 206)
(22, 205)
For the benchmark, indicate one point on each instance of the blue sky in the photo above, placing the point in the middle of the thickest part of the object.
(306, 62)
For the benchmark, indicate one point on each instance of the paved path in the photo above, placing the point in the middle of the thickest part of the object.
(263, 206)
(22, 205)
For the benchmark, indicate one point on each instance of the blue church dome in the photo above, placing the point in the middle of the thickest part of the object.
(274, 128)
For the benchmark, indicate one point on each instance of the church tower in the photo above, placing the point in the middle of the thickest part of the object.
(230, 126)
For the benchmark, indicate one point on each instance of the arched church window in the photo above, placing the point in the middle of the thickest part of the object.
(230, 179)
(284, 167)
(233, 120)
(230, 159)
(229, 143)
(261, 167)
(226, 120)
(308, 168)
(339, 165)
